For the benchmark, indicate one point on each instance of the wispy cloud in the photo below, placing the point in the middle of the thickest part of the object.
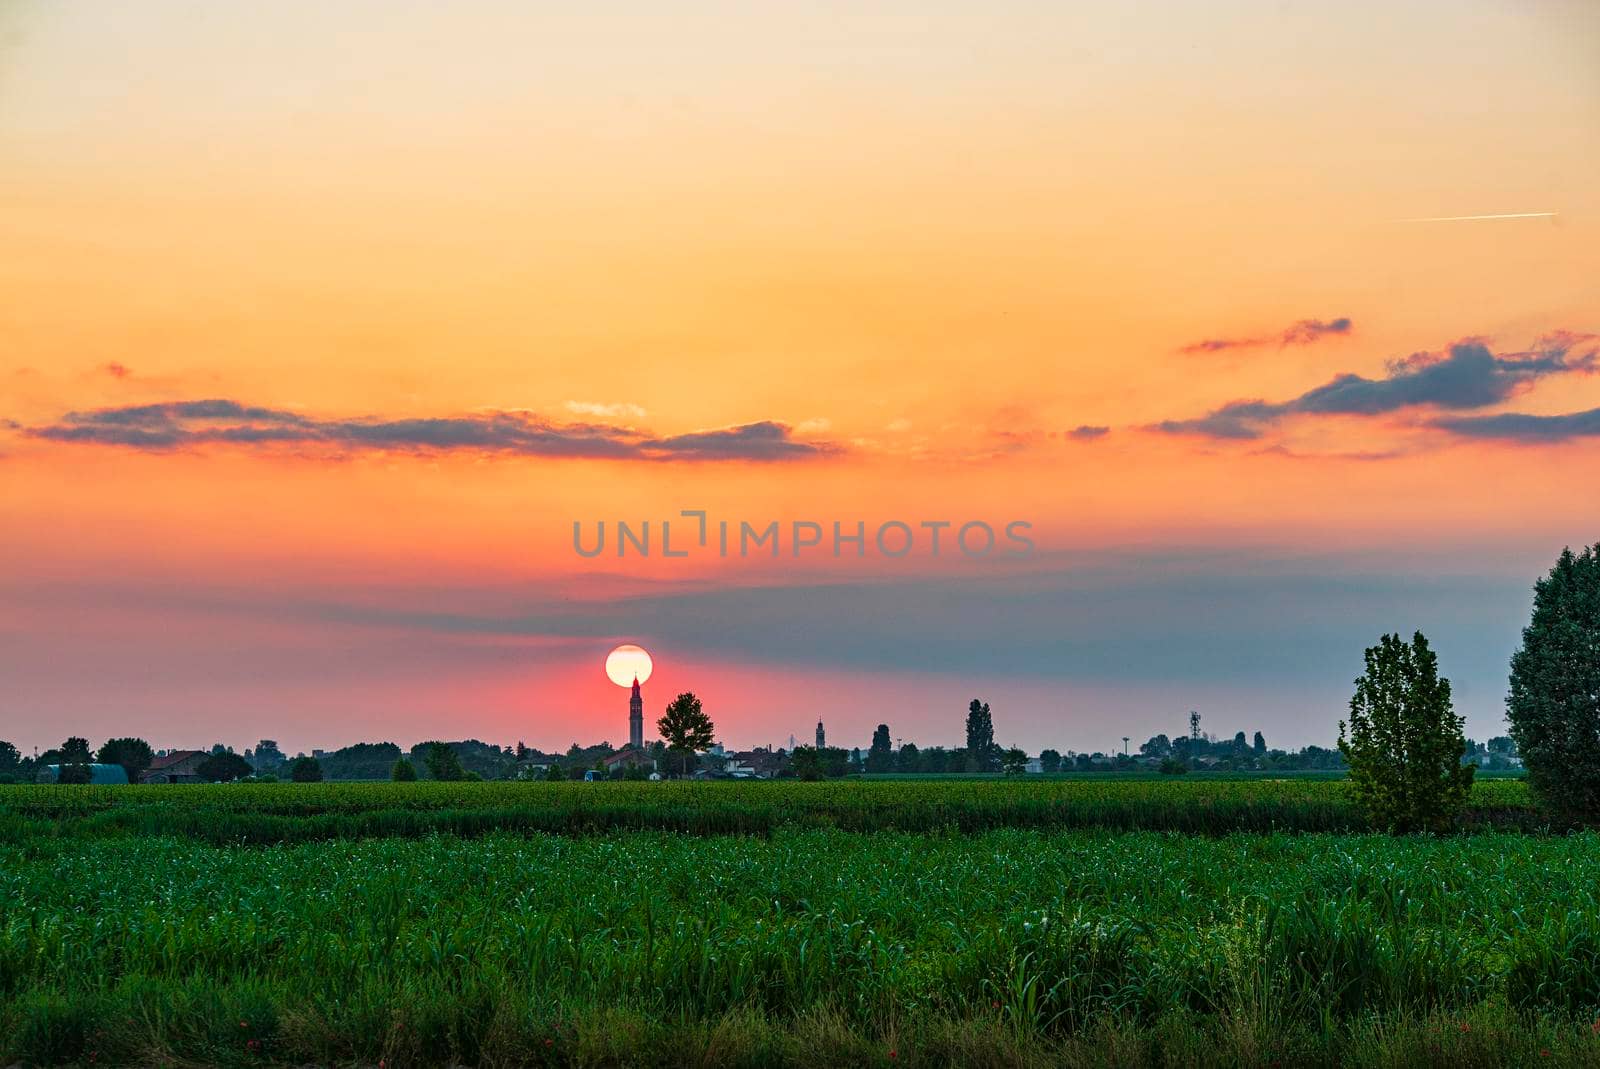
(1304, 332)
(1522, 427)
(1466, 376)
(117, 370)
(187, 424)
(599, 410)
(1087, 433)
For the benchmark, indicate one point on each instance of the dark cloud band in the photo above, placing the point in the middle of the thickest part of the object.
(1305, 332)
(1466, 377)
(185, 424)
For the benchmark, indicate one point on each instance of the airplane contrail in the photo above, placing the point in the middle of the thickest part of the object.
(1475, 218)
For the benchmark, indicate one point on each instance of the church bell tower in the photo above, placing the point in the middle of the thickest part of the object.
(636, 717)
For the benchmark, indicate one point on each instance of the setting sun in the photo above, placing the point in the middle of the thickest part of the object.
(627, 663)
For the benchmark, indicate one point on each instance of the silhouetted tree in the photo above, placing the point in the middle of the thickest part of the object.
(306, 770)
(1554, 704)
(686, 728)
(403, 771)
(881, 755)
(1014, 762)
(909, 758)
(806, 761)
(223, 768)
(75, 751)
(1050, 760)
(134, 755)
(1405, 742)
(980, 737)
(443, 764)
(1156, 746)
(1260, 745)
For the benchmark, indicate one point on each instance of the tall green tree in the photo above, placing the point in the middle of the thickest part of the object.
(443, 764)
(134, 755)
(223, 768)
(1050, 760)
(403, 771)
(880, 756)
(10, 759)
(1404, 740)
(687, 729)
(75, 751)
(1014, 762)
(806, 761)
(981, 750)
(1554, 702)
(306, 770)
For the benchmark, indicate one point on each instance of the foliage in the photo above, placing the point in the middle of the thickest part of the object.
(75, 773)
(75, 751)
(1014, 762)
(686, 728)
(982, 753)
(363, 760)
(1405, 740)
(442, 763)
(134, 755)
(223, 768)
(806, 762)
(1172, 766)
(403, 771)
(880, 756)
(306, 770)
(1554, 703)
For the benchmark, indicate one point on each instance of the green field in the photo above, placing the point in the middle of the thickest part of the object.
(920, 923)
(277, 813)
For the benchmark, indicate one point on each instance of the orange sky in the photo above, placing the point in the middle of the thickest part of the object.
(929, 241)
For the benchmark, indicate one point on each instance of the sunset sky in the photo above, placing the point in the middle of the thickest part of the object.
(321, 325)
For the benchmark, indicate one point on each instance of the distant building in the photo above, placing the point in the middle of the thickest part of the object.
(179, 766)
(822, 736)
(636, 717)
(629, 757)
(756, 764)
(98, 774)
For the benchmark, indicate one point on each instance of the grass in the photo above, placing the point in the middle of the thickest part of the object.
(998, 948)
(1190, 921)
(265, 814)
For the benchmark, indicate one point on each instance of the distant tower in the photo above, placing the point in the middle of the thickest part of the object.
(1194, 726)
(822, 736)
(636, 717)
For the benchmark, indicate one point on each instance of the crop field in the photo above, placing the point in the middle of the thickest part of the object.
(274, 813)
(920, 923)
